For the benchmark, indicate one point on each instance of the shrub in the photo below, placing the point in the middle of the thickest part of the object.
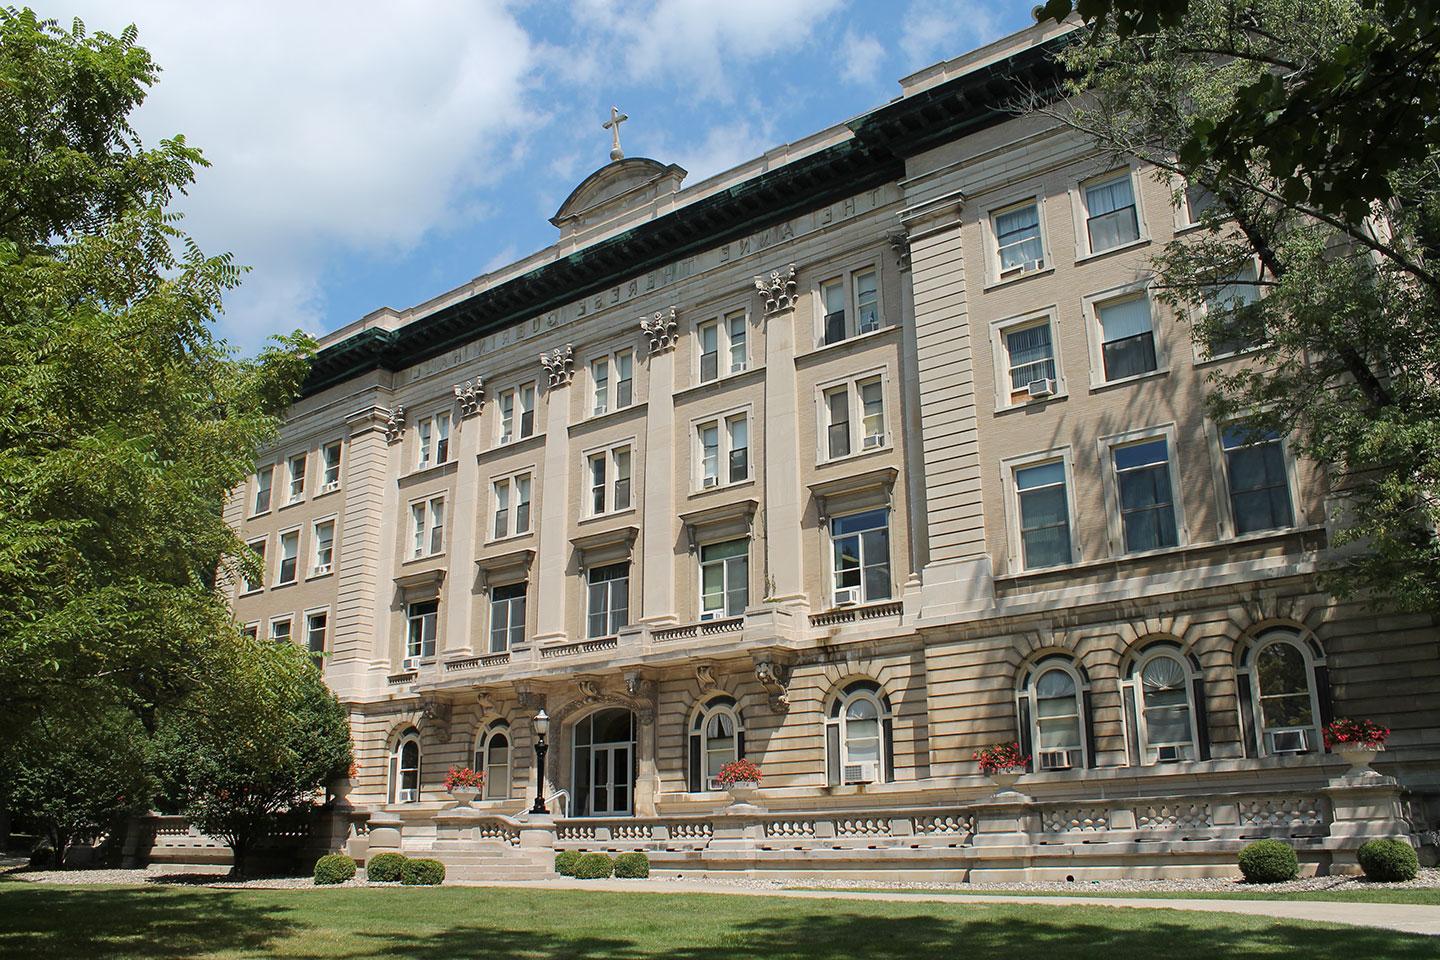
(565, 862)
(334, 868)
(42, 856)
(1269, 861)
(385, 868)
(632, 866)
(1388, 860)
(594, 866)
(423, 873)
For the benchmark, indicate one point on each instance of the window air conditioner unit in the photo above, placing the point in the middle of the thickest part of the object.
(861, 772)
(330, 487)
(406, 796)
(1044, 387)
(710, 615)
(713, 783)
(709, 482)
(506, 437)
(1057, 759)
(410, 663)
(599, 409)
(1289, 741)
(1169, 754)
(874, 440)
(322, 570)
(738, 366)
(847, 597)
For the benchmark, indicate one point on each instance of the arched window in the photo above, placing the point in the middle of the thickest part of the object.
(1283, 698)
(1162, 700)
(717, 736)
(859, 736)
(492, 757)
(1054, 721)
(405, 768)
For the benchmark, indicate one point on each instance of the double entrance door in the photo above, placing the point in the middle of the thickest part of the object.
(604, 771)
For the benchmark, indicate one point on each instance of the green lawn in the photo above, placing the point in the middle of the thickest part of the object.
(62, 922)
(1350, 894)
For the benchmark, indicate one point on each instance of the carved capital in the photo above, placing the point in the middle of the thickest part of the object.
(900, 244)
(778, 289)
(774, 676)
(395, 424)
(559, 364)
(661, 329)
(471, 396)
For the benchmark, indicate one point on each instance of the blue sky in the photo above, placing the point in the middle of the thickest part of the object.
(377, 154)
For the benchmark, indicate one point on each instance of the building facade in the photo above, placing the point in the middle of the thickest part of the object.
(850, 461)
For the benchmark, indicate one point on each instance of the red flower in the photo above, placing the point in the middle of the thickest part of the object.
(464, 777)
(1364, 733)
(1000, 757)
(739, 771)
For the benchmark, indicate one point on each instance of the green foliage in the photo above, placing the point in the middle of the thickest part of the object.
(333, 868)
(422, 872)
(1388, 860)
(1268, 861)
(124, 424)
(632, 866)
(385, 867)
(594, 866)
(262, 741)
(78, 777)
(565, 862)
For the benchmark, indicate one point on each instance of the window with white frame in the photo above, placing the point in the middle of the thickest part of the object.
(1019, 242)
(1127, 336)
(854, 417)
(1146, 494)
(1166, 707)
(608, 607)
(433, 440)
(280, 630)
(517, 413)
(1230, 326)
(317, 625)
(724, 579)
(405, 768)
(613, 377)
(1029, 352)
(849, 305)
(330, 465)
(1052, 715)
(422, 622)
(264, 478)
(492, 758)
(323, 537)
(721, 346)
(723, 450)
(512, 506)
(859, 735)
(1257, 479)
(1043, 510)
(860, 557)
(289, 557)
(609, 479)
(507, 616)
(252, 631)
(717, 737)
(1196, 201)
(737, 332)
(427, 527)
(296, 466)
(1285, 695)
(1111, 217)
(250, 584)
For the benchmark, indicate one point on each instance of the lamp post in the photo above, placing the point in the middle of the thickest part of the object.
(542, 727)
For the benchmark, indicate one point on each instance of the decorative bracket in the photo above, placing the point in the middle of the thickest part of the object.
(661, 329)
(471, 396)
(559, 364)
(705, 676)
(778, 289)
(774, 676)
(437, 712)
(900, 243)
(395, 424)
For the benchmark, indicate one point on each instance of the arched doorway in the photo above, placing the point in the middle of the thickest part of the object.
(604, 764)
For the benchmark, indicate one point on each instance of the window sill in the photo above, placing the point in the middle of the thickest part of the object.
(287, 583)
(326, 491)
(820, 349)
(250, 593)
(860, 455)
(510, 446)
(1232, 355)
(1032, 404)
(320, 576)
(422, 558)
(608, 416)
(263, 513)
(1103, 385)
(290, 503)
(597, 517)
(1132, 245)
(1007, 281)
(421, 473)
(718, 383)
(718, 488)
(512, 538)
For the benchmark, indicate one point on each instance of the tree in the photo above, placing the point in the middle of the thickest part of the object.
(261, 742)
(123, 421)
(78, 778)
(1341, 305)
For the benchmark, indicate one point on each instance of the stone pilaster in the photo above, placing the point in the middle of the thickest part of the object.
(784, 505)
(552, 565)
(465, 536)
(657, 537)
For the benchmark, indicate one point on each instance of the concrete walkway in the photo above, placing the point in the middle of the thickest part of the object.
(1404, 917)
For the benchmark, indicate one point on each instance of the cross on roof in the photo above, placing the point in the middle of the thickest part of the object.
(613, 125)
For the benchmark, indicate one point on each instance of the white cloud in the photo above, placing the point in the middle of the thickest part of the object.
(862, 57)
(936, 30)
(724, 146)
(333, 127)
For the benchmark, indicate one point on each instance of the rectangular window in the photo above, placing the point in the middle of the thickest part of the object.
(422, 621)
(724, 579)
(433, 434)
(442, 437)
(507, 416)
(517, 424)
(1198, 202)
(512, 506)
(522, 503)
(331, 457)
(872, 412)
(1258, 481)
(854, 417)
(324, 537)
(624, 379)
(507, 617)
(1030, 355)
(316, 626)
(861, 556)
(527, 410)
(289, 556)
(252, 631)
(609, 600)
(1127, 337)
(832, 299)
(427, 525)
(597, 483)
(258, 548)
(1231, 328)
(263, 478)
(736, 329)
(600, 374)
(837, 406)
(623, 366)
(1111, 219)
(502, 508)
(297, 478)
(723, 452)
(1017, 236)
(424, 435)
(709, 454)
(621, 498)
(737, 434)
(709, 337)
(1044, 515)
(1147, 507)
(867, 302)
(280, 630)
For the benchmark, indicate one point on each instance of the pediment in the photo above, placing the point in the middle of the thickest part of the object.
(614, 188)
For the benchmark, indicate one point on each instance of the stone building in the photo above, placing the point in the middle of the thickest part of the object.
(851, 460)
